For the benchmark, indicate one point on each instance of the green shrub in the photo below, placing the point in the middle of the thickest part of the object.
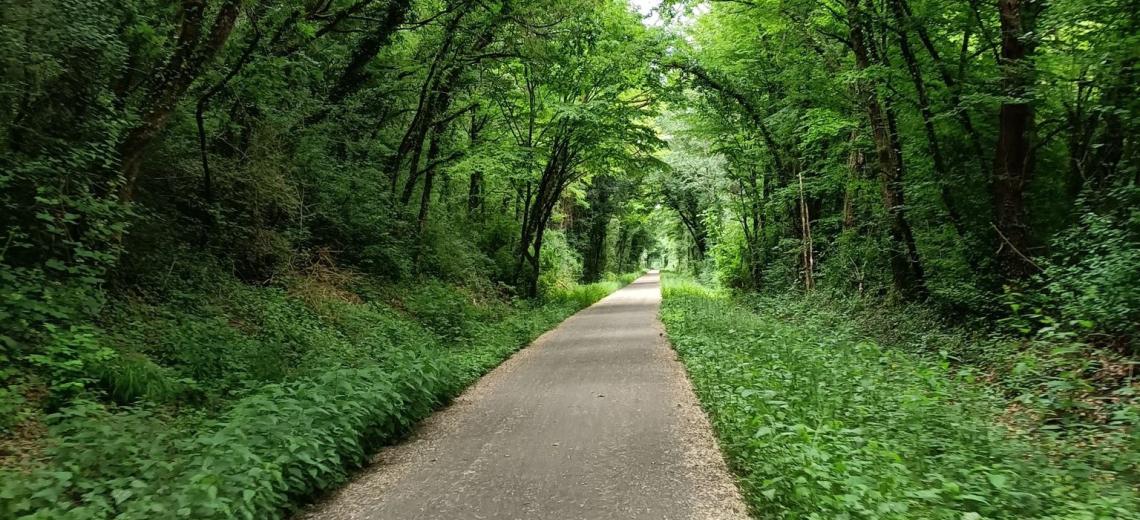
(730, 258)
(193, 344)
(582, 296)
(451, 256)
(68, 358)
(444, 310)
(622, 279)
(1094, 279)
(561, 265)
(13, 407)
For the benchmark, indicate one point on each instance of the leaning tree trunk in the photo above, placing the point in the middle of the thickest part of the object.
(436, 95)
(429, 176)
(190, 56)
(953, 85)
(355, 74)
(556, 175)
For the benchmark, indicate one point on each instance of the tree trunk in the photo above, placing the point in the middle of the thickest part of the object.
(1114, 134)
(436, 95)
(623, 235)
(599, 199)
(689, 212)
(805, 226)
(170, 84)
(429, 175)
(756, 197)
(941, 173)
(556, 175)
(856, 166)
(475, 186)
(354, 76)
(720, 86)
(1013, 163)
(952, 84)
(906, 270)
(204, 101)
(441, 104)
(426, 110)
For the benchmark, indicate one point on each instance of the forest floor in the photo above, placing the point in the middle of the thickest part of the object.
(596, 419)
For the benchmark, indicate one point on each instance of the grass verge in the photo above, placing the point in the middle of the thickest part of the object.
(819, 422)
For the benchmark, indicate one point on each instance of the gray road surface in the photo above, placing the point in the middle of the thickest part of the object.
(595, 420)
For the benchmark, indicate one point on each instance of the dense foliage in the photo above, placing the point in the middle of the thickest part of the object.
(966, 154)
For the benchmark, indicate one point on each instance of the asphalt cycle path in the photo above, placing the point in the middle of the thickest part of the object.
(594, 420)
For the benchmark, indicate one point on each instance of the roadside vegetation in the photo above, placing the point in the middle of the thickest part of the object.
(821, 415)
(236, 407)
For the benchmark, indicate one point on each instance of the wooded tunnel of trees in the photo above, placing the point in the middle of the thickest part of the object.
(206, 200)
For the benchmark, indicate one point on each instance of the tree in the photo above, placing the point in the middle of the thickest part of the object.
(1014, 157)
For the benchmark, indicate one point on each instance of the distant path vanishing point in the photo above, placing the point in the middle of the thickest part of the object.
(595, 420)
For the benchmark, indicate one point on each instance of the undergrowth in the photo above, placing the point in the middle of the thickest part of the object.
(247, 400)
(818, 420)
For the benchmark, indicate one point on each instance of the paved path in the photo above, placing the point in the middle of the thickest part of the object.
(595, 420)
